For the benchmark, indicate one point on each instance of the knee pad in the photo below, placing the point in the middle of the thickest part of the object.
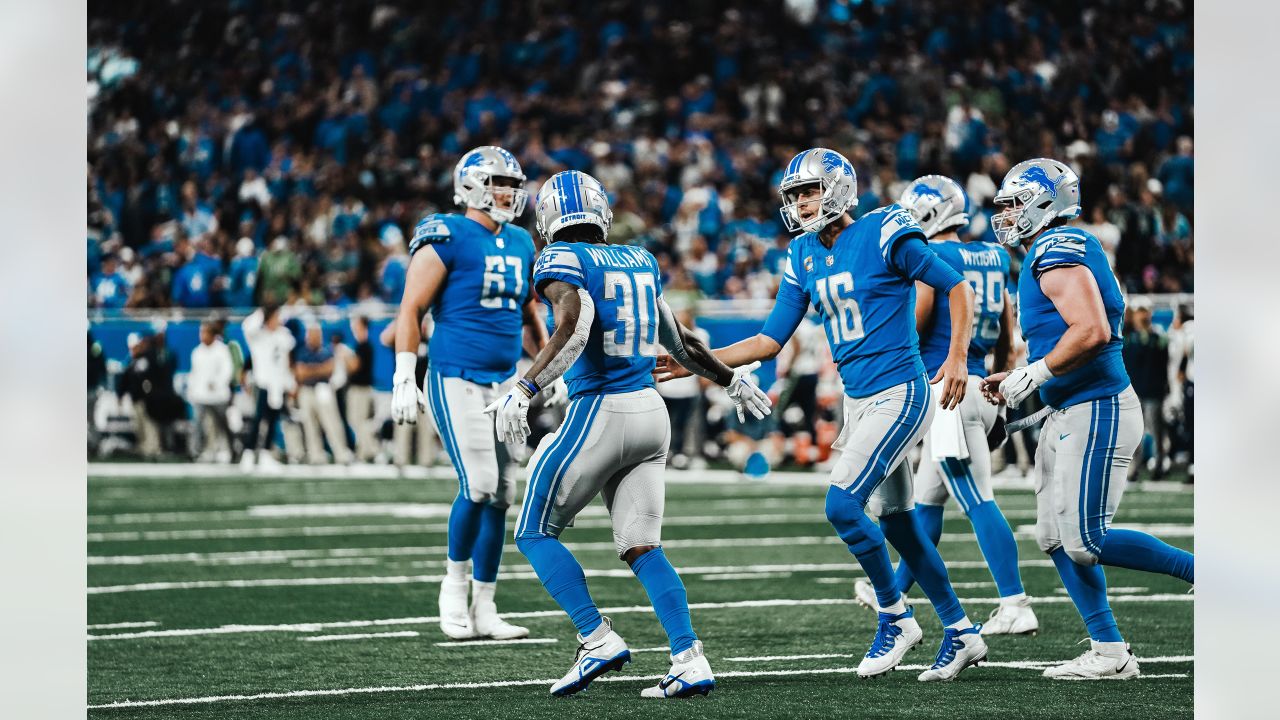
(641, 529)
(846, 515)
(1047, 538)
(503, 499)
(478, 496)
(1080, 556)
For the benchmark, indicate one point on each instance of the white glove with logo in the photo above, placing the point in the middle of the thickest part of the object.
(746, 395)
(406, 397)
(511, 416)
(557, 393)
(1023, 381)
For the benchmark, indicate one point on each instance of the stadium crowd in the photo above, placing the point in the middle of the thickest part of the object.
(279, 152)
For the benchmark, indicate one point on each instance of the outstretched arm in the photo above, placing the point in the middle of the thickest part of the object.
(691, 352)
(783, 320)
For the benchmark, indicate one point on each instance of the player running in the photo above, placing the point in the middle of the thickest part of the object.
(609, 317)
(956, 458)
(860, 277)
(472, 271)
(1071, 313)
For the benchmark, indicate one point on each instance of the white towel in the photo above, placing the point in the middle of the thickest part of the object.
(946, 436)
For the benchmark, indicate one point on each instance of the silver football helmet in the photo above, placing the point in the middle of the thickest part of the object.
(570, 198)
(473, 183)
(833, 173)
(937, 202)
(1033, 194)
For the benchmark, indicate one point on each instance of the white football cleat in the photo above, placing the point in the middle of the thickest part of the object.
(455, 617)
(865, 594)
(1012, 619)
(484, 615)
(602, 651)
(690, 675)
(959, 650)
(267, 463)
(1103, 661)
(895, 635)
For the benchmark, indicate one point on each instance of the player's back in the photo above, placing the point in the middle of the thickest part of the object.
(624, 284)
(1043, 326)
(985, 266)
(477, 311)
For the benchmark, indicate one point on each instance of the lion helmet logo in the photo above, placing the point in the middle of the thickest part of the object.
(1036, 175)
(831, 161)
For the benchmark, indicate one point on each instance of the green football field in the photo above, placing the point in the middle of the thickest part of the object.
(250, 597)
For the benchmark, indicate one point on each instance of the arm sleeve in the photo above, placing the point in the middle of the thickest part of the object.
(558, 262)
(916, 261)
(577, 342)
(669, 336)
(1058, 251)
(790, 308)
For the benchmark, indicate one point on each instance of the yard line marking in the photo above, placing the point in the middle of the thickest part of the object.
(335, 562)
(772, 658)
(661, 649)
(362, 636)
(779, 602)
(518, 641)
(123, 625)
(1023, 664)
(746, 576)
(209, 699)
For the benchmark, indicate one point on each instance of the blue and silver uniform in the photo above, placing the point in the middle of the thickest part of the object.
(1042, 326)
(625, 284)
(864, 293)
(985, 266)
(478, 311)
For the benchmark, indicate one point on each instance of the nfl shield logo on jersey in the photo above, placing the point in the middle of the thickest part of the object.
(808, 264)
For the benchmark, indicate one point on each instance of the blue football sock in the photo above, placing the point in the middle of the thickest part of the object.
(562, 576)
(1140, 551)
(907, 537)
(667, 595)
(1087, 586)
(489, 541)
(930, 519)
(464, 525)
(995, 538)
(865, 541)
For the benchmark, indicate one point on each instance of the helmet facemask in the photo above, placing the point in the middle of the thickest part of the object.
(791, 202)
(501, 202)
(1024, 215)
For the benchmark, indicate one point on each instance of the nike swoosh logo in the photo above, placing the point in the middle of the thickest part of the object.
(1064, 437)
(666, 682)
(881, 402)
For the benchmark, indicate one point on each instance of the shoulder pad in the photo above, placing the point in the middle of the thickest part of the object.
(430, 230)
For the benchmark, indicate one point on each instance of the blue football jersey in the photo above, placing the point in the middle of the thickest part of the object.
(625, 285)
(1043, 327)
(985, 266)
(865, 303)
(478, 311)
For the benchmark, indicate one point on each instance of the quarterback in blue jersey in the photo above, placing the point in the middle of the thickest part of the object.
(1071, 313)
(860, 278)
(609, 319)
(472, 272)
(956, 458)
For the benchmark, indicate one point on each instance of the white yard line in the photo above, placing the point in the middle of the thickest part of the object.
(210, 699)
(483, 643)
(779, 602)
(362, 636)
(124, 625)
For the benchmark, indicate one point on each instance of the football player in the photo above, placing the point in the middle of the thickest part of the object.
(860, 277)
(609, 317)
(958, 462)
(472, 272)
(1071, 313)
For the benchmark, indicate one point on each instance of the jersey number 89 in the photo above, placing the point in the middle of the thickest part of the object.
(636, 310)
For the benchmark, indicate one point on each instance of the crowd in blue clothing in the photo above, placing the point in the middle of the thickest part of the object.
(281, 151)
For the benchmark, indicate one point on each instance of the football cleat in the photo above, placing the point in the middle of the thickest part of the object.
(455, 617)
(602, 651)
(895, 635)
(865, 594)
(959, 650)
(690, 675)
(484, 615)
(1102, 661)
(1015, 619)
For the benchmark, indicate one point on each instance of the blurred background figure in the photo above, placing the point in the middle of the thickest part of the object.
(684, 400)
(359, 392)
(314, 367)
(270, 364)
(209, 392)
(413, 444)
(1146, 358)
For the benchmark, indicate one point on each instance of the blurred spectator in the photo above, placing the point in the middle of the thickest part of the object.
(209, 392)
(317, 401)
(199, 282)
(279, 271)
(1182, 381)
(108, 288)
(360, 392)
(148, 381)
(243, 278)
(1146, 359)
(413, 442)
(270, 348)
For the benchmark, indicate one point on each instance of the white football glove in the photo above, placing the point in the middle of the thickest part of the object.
(511, 416)
(557, 393)
(406, 397)
(746, 395)
(1023, 381)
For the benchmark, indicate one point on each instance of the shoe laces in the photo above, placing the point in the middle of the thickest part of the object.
(886, 634)
(947, 652)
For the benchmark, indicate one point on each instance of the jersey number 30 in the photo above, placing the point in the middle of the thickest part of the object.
(636, 304)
